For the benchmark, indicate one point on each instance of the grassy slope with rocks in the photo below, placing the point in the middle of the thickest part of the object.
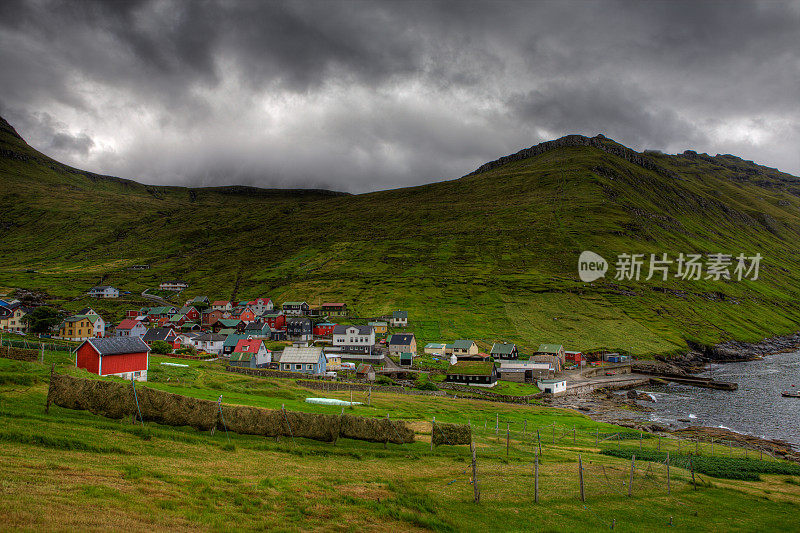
(490, 256)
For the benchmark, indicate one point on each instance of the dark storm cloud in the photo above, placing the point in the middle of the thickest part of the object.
(365, 95)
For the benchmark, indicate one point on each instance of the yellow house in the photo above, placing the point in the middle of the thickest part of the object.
(78, 328)
(334, 362)
(11, 319)
(381, 328)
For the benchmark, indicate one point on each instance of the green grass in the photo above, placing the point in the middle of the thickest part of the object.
(55, 465)
(179, 478)
(489, 257)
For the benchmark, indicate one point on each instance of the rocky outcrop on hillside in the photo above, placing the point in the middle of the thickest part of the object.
(733, 351)
(600, 142)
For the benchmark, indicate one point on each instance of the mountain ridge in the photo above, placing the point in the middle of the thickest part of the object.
(492, 255)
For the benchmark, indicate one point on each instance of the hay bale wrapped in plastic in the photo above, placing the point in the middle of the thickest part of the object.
(451, 434)
(176, 410)
(105, 398)
(375, 429)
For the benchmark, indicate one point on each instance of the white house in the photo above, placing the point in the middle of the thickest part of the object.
(130, 327)
(552, 386)
(173, 285)
(221, 305)
(356, 339)
(399, 319)
(104, 291)
(210, 342)
(261, 306)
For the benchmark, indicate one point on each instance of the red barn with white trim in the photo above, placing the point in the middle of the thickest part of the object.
(126, 357)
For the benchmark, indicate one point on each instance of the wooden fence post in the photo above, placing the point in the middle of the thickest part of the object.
(508, 439)
(580, 477)
(691, 466)
(554, 432)
(573, 435)
(433, 429)
(539, 440)
(497, 424)
(659, 443)
(49, 388)
(536, 479)
(630, 482)
(476, 491)
(668, 487)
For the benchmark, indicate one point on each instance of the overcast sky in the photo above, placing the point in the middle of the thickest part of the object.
(360, 96)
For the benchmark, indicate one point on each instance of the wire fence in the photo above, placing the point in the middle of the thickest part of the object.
(50, 346)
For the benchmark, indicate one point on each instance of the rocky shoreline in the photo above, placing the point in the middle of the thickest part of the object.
(733, 351)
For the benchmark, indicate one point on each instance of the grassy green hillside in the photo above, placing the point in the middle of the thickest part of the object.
(490, 256)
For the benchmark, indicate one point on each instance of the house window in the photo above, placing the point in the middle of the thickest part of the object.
(298, 367)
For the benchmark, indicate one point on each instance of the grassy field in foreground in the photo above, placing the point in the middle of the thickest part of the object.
(74, 470)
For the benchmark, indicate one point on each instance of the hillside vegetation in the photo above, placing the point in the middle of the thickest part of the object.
(490, 256)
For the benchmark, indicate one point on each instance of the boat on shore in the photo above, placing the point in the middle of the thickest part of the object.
(789, 394)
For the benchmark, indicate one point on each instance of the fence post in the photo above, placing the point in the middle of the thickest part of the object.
(49, 388)
(580, 477)
(691, 466)
(497, 423)
(433, 429)
(668, 487)
(630, 482)
(475, 489)
(760, 453)
(554, 433)
(539, 440)
(659, 443)
(573, 435)
(508, 439)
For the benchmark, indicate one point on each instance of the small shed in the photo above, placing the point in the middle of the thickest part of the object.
(406, 359)
(552, 386)
(126, 357)
(478, 373)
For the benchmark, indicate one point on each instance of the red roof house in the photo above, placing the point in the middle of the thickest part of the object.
(126, 357)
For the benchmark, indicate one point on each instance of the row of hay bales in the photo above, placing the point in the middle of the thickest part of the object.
(19, 354)
(451, 434)
(116, 400)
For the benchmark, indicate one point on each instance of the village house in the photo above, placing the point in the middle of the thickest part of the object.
(82, 326)
(251, 353)
(103, 291)
(574, 357)
(476, 373)
(130, 328)
(304, 359)
(221, 305)
(324, 329)
(228, 323)
(402, 342)
(199, 301)
(299, 329)
(334, 362)
(126, 357)
(173, 285)
(435, 348)
(246, 315)
(365, 371)
(523, 371)
(261, 306)
(210, 318)
(258, 330)
(190, 312)
(167, 335)
(406, 359)
(463, 348)
(556, 350)
(159, 312)
(399, 319)
(334, 309)
(552, 386)
(381, 328)
(12, 318)
(554, 361)
(354, 339)
(275, 320)
(186, 339)
(295, 308)
(504, 350)
(210, 342)
(231, 341)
